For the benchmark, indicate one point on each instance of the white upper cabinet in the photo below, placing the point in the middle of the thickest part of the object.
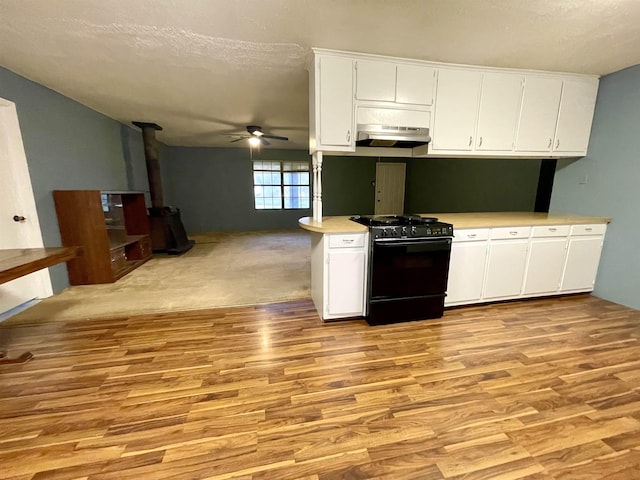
(471, 111)
(332, 113)
(380, 81)
(414, 84)
(576, 115)
(499, 109)
(456, 109)
(539, 112)
(375, 81)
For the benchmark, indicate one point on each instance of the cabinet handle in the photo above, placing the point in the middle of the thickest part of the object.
(552, 229)
(471, 235)
(588, 229)
(480, 144)
(513, 233)
(557, 143)
(550, 142)
(348, 135)
(470, 140)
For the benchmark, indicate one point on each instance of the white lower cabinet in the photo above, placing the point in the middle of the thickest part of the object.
(583, 257)
(467, 265)
(338, 274)
(506, 263)
(545, 264)
(487, 264)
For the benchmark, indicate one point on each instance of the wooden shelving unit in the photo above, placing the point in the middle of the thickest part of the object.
(112, 227)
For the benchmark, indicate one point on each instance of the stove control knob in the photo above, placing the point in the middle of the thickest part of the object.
(414, 231)
(404, 231)
(394, 232)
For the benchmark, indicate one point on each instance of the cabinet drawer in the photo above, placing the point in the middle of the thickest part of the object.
(470, 235)
(594, 229)
(346, 240)
(503, 233)
(551, 231)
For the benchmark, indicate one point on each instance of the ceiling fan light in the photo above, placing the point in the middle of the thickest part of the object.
(254, 141)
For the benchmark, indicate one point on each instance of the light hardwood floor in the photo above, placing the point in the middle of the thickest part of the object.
(544, 389)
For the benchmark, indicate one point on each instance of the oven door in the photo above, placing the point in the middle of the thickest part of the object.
(408, 280)
(410, 268)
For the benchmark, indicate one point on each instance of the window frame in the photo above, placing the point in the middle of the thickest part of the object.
(281, 185)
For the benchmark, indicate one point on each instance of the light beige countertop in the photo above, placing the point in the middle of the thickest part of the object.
(460, 220)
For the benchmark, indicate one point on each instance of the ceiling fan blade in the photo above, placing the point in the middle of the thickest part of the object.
(237, 139)
(264, 141)
(275, 137)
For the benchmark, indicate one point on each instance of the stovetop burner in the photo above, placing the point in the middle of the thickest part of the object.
(392, 220)
(388, 227)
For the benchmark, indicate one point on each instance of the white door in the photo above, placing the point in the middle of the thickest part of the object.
(16, 198)
(414, 84)
(581, 267)
(466, 272)
(546, 262)
(499, 110)
(345, 283)
(458, 93)
(336, 101)
(538, 115)
(375, 80)
(505, 268)
(390, 179)
(576, 114)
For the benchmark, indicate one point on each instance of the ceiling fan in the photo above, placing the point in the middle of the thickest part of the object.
(257, 136)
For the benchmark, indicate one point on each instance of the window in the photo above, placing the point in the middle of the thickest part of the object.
(274, 182)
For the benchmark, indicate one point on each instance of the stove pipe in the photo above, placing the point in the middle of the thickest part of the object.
(153, 163)
(167, 232)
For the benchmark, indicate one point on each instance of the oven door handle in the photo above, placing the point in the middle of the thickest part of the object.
(420, 246)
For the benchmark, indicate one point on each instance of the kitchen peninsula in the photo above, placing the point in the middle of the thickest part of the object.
(495, 256)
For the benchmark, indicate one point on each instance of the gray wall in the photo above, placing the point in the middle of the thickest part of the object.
(68, 146)
(612, 173)
(213, 187)
(471, 185)
(433, 185)
(347, 187)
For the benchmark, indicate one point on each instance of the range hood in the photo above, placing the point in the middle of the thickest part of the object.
(370, 135)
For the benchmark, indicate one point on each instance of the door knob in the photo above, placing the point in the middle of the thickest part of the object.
(18, 218)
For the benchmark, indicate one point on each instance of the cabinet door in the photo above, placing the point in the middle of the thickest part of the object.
(466, 272)
(375, 80)
(345, 276)
(336, 101)
(576, 115)
(499, 108)
(414, 84)
(545, 265)
(581, 267)
(456, 112)
(505, 268)
(538, 115)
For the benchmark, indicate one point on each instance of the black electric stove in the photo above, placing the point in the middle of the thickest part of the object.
(408, 267)
(404, 226)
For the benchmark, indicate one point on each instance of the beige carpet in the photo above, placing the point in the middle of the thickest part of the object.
(222, 269)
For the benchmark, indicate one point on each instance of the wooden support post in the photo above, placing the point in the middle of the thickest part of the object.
(317, 186)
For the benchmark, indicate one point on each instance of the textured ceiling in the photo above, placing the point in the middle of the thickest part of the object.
(203, 69)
